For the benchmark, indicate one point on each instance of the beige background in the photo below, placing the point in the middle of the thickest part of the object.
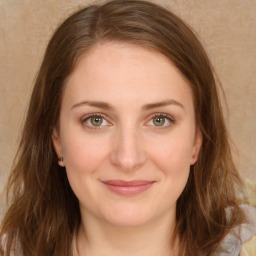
(226, 27)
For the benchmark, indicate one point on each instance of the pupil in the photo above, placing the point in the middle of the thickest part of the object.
(96, 121)
(159, 121)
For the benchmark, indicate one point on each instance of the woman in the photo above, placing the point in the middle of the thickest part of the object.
(124, 150)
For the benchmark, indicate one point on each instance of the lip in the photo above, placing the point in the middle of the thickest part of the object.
(128, 188)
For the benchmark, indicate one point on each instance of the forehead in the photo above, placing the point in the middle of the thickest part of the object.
(121, 72)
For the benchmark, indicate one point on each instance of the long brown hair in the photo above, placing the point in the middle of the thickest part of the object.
(44, 212)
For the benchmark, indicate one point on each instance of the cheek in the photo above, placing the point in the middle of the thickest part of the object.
(83, 154)
(174, 154)
(174, 162)
(176, 169)
(172, 157)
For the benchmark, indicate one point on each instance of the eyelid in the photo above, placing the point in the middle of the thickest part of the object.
(164, 115)
(88, 116)
(106, 118)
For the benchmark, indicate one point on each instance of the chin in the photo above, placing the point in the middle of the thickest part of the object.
(128, 221)
(128, 216)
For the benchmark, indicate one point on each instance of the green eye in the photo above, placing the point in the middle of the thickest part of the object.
(159, 121)
(96, 120)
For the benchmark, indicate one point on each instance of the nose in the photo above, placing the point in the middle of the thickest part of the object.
(127, 152)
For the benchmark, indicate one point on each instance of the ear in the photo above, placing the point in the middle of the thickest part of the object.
(56, 141)
(197, 146)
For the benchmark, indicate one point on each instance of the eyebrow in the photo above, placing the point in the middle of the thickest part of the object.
(98, 104)
(162, 104)
(147, 107)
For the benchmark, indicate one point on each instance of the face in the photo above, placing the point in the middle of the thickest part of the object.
(127, 134)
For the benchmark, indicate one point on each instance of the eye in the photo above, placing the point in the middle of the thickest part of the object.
(161, 120)
(95, 121)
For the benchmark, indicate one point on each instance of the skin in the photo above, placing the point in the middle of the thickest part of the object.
(130, 143)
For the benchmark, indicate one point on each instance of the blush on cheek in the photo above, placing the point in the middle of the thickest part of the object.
(174, 153)
(84, 156)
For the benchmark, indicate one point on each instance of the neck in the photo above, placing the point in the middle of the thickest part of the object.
(150, 239)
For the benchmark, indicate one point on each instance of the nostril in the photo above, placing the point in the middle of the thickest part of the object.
(128, 156)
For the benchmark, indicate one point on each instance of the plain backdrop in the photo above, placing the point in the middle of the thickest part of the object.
(227, 29)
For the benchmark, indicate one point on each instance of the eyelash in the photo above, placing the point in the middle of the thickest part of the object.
(100, 115)
(87, 117)
(162, 115)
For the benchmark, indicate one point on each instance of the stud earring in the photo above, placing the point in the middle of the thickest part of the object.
(61, 161)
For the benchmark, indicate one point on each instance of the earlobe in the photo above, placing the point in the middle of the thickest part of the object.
(197, 146)
(57, 147)
(61, 161)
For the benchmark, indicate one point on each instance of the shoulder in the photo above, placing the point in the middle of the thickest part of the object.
(249, 234)
(241, 239)
(249, 247)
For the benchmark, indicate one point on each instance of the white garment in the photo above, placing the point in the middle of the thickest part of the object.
(234, 241)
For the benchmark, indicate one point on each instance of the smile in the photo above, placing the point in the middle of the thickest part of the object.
(128, 188)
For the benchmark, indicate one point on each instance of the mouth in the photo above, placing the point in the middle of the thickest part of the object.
(128, 188)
